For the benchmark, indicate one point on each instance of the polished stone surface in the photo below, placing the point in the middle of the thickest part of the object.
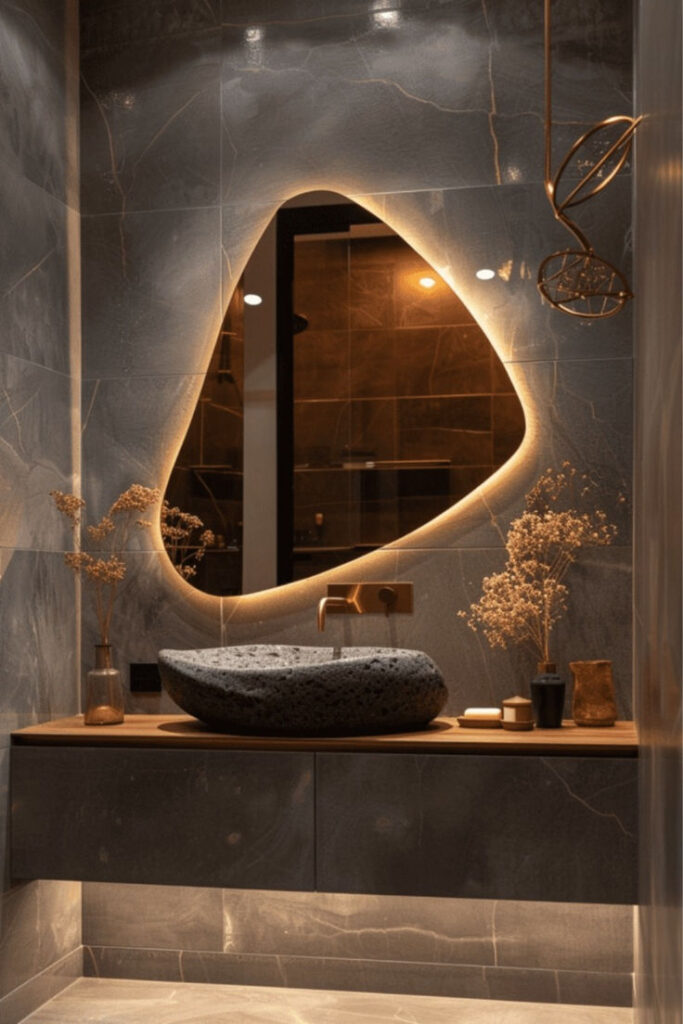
(92, 1001)
(478, 826)
(27, 997)
(524, 984)
(36, 112)
(39, 343)
(554, 952)
(40, 922)
(576, 937)
(658, 538)
(34, 289)
(470, 825)
(202, 817)
(286, 690)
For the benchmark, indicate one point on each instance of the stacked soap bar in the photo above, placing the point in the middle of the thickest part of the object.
(488, 718)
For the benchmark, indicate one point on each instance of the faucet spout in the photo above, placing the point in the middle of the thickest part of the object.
(330, 602)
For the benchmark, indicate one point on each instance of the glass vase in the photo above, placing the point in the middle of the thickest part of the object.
(103, 690)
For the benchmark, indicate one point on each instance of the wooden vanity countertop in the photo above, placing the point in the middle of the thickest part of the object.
(443, 736)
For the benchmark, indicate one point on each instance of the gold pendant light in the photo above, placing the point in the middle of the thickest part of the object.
(577, 281)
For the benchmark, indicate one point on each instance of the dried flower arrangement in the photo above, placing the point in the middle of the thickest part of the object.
(111, 534)
(184, 550)
(521, 604)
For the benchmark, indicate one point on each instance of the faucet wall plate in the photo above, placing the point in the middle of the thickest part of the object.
(371, 598)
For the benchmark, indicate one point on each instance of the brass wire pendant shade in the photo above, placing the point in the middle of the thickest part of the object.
(577, 281)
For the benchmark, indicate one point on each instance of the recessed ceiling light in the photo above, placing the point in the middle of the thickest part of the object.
(253, 300)
(427, 282)
(485, 274)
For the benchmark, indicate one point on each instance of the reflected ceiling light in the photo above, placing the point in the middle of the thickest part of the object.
(252, 299)
(386, 19)
(384, 14)
(485, 274)
(427, 282)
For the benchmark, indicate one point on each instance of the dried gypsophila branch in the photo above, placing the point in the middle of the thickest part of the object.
(522, 603)
(105, 573)
(177, 528)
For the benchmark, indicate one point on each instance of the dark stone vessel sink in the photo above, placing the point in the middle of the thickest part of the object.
(274, 690)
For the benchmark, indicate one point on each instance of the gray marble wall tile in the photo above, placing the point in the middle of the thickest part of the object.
(359, 83)
(38, 675)
(35, 448)
(595, 989)
(150, 125)
(34, 285)
(107, 23)
(151, 282)
(359, 927)
(124, 422)
(161, 917)
(40, 923)
(39, 286)
(18, 1004)
(253, 923)
(567, 936)
(658, 560)
(33, 107)
(566, 827)
(314, 972)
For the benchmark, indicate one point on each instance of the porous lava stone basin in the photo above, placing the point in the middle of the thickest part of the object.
(275, 690)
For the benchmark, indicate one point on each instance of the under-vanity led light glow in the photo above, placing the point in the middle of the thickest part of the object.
(485, 274)
(252, 299)
(427, 282)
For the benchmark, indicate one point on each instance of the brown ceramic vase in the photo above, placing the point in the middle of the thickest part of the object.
(593, 701)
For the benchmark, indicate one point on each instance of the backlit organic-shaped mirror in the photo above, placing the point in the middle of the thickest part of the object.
(350, 398)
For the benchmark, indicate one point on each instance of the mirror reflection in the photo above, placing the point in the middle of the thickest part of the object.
(350, 398)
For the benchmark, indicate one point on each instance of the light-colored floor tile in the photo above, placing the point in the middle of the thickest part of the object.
(102, 1001)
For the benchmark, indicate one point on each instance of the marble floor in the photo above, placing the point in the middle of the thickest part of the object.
(102, 1001)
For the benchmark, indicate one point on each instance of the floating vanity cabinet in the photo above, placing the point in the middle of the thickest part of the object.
(478, 826)
(542, 815)
(177, 817)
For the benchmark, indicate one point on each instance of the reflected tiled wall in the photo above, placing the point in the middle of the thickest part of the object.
(39, 367)
(200, 121)
(658, 542)
(401, 404)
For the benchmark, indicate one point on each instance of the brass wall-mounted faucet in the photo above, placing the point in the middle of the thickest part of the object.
(365, 598)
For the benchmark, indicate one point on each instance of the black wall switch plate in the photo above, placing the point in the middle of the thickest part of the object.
(144, 677)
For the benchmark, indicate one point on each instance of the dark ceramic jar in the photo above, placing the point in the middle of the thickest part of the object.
(547, 695)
